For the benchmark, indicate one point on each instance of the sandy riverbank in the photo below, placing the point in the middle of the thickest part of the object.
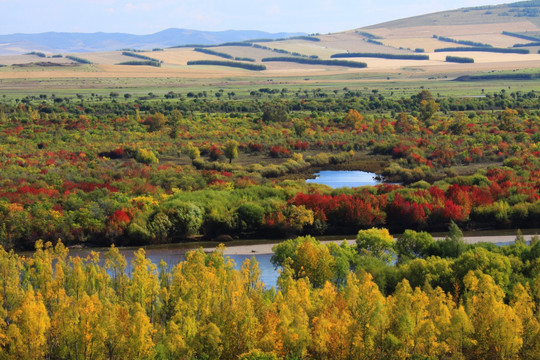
(257, 249)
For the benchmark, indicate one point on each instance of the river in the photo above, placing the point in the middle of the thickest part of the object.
(240, 250)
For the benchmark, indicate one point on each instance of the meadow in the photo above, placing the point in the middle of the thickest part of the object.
(128, 169)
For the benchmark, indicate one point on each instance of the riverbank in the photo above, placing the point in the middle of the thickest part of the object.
(266, 248)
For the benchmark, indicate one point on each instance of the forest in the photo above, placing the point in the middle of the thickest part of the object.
(332, 302)
(137, 170)
(101, 170)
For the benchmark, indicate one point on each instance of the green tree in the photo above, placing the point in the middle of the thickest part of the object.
(412, 244)
(274, 112)
(375, 242)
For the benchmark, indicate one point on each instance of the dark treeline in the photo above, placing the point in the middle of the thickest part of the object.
(462, 42)
(353, 64)
(215, 53)
(536, 43)
(301, 101)
(508, 76)
(383, 56)
(36, 53)
(458, 59)
(522, 36)
(253, 67)
(140, 56)
(223, 55)
(78, 59)
(485, 49)
(142, 62)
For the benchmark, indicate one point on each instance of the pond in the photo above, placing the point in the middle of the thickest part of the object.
(341, 178)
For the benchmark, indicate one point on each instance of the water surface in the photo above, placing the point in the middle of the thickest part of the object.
(344, 178)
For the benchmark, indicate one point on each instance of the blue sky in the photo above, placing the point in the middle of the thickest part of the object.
(149, 16)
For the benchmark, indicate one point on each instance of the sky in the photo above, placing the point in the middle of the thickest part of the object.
(150, 16)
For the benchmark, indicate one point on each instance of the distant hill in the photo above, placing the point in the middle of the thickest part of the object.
(489, 14)
(64, 42)
(492, 38)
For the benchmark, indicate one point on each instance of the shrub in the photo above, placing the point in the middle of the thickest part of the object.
(279, 152)
(146, 157)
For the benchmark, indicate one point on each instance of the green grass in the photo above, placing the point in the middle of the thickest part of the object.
(390, 85)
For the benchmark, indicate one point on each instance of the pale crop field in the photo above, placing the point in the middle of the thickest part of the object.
(105, 58)
(494, 58)
(302, 47)
(352, 42)
(428, 44)
(452, 30)
(496, 40)
(25, 59)
(244, 51)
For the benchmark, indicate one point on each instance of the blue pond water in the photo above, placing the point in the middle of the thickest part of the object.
(339, 178)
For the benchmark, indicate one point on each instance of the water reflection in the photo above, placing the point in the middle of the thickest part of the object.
(338, 178)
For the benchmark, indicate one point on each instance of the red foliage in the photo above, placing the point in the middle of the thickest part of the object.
(400, 151)
(407, 213)
(256, 147)
(87, 187)
(279, 151)
(120, 216)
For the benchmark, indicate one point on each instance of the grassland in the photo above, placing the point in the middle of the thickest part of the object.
(403, 36)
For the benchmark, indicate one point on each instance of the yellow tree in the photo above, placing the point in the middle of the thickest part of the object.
(498, 330)
(368, 310)
(403, 320)
(231, 150)
(459, 335)
(526, 310)
(143, 288)
(330, 325)
(293, 310)
(353, 119)
(27, 334)
(140, 343)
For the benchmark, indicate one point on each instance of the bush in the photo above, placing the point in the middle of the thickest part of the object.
(279, 152)
(146, 157)
(186, 218)
(250, 216)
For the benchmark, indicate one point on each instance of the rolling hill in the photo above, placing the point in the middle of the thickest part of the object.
(62, 42)
(481, 39)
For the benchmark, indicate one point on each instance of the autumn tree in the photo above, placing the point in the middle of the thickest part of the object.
(193, 152)
(498, 329)
(231, 150)
(353, 119)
